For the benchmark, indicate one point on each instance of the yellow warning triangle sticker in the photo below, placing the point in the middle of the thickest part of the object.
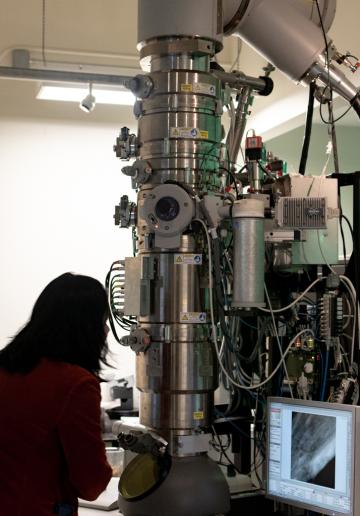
(179, 259)
(184, 318)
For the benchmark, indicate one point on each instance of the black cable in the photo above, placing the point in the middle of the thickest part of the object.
(233, 180)
(221, 302)
(266, 172)
(231, 174)
(308, 127)
(208, 154)
(109, 285)
(349, 224)
(243, 168)
(354, 57)
(219, 292)
(328, 122)
(232, 232)
(224, 451)
(343, 240)
(112, 326)
(332, 133)
(355, 103)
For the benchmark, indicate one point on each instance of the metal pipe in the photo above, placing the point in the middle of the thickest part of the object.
(33, 74)
(237, 80)
(239, 124)
(255, 176)
(332, 76)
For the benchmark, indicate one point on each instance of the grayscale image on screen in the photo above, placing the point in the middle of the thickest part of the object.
(313, 449)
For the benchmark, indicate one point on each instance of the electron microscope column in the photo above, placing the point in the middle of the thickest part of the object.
(180, 137)
(180, 133)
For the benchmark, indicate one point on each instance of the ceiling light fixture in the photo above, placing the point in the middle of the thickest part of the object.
(88, 103)
(76, 93)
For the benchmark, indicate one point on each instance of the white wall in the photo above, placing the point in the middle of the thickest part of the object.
(59, 183)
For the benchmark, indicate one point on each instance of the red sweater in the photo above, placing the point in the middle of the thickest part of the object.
(50, 439)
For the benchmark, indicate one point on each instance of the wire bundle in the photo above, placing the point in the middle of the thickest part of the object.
(115, 285)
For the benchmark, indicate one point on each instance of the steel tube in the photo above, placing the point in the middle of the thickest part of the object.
(33, 74)
(239, 80)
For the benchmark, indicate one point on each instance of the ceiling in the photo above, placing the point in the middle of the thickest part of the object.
(92, 34)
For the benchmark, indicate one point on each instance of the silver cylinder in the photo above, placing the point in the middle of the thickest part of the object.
(234, 10)
(180, 126)
(334, 76)
(282, 34)
(159, 18)
(249, 253)
(178, 373)
(179, 139)
(255, 176)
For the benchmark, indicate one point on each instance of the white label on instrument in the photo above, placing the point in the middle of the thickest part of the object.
(188, 259)
(193, 317)
(188, 132)
(199, 87)
(202, 87)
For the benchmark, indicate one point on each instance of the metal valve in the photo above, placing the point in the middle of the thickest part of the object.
(126, 144)
(139, 340)
(125, 213)
(139, 171)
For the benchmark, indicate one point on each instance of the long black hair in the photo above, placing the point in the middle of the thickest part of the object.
(67, 324)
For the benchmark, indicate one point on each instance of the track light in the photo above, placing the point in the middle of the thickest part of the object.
(88, 103)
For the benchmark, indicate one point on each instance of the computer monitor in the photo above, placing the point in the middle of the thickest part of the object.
(313, 458)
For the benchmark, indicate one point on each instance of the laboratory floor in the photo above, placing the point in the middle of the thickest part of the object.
(251, 505)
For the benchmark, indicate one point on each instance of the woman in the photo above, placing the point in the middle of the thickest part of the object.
(51, 450)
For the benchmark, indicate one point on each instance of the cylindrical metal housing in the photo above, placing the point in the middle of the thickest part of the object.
(159, 18)
(180, 126)
(179, 137)
(282, 34)
(234, 9)
(334, 76)
(255, 176)
(249, 253)
(179, 141)
(178, 374)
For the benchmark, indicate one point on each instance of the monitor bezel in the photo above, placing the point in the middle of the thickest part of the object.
(355, 458)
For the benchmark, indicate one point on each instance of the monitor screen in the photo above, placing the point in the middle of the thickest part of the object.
(310, 454)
